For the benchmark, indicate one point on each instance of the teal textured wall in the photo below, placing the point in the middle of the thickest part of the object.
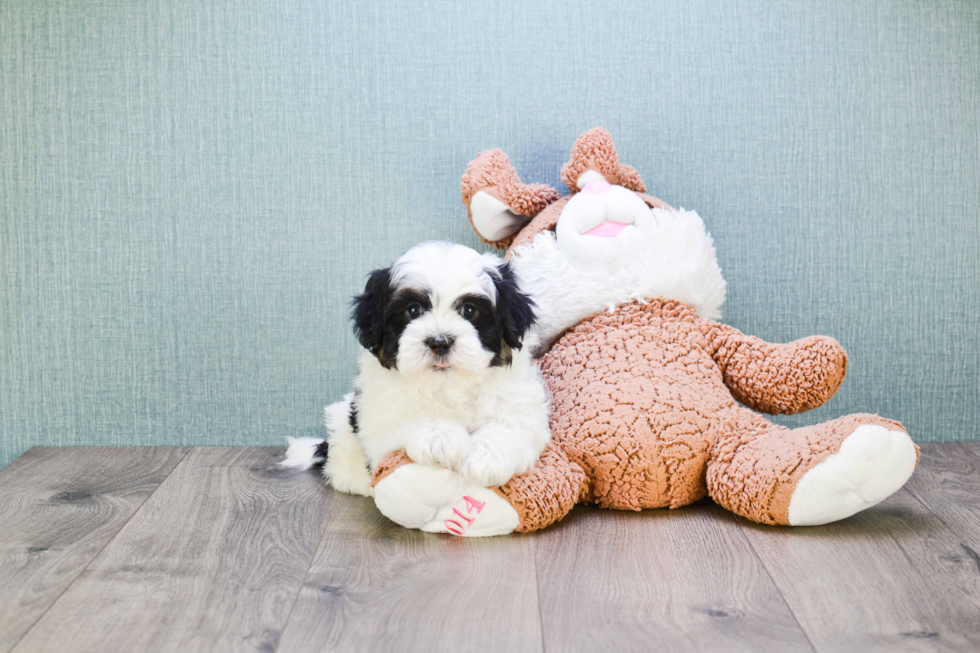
(191, 191)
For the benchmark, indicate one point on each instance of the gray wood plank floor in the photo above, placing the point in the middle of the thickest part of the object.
(58, 509)
(375, 586)
(214, 549)
(212, 562)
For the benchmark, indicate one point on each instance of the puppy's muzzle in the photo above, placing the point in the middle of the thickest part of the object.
(439, 345)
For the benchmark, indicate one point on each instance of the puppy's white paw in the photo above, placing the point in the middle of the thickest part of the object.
(439, 443)
(489, 464)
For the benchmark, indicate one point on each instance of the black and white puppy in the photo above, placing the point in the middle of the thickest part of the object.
(445, 374)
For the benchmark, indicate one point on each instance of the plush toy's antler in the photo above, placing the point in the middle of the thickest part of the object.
(497, 202)
(594, 150)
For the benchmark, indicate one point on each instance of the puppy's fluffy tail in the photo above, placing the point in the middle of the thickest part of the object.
(304, 453)
(344, 464)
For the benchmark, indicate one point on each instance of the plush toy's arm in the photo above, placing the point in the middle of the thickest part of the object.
(772, 378)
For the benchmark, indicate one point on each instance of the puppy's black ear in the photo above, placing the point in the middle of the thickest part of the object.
(515, 310)
(368, 311)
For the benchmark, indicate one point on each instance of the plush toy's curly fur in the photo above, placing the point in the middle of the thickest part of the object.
(652, 400)
(659, 373)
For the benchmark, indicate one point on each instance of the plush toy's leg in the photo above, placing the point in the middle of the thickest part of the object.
(439, 500)
(811, 475)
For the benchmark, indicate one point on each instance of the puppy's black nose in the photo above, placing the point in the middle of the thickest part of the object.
(439, 345)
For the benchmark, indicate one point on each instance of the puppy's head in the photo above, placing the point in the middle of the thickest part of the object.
(443, 308)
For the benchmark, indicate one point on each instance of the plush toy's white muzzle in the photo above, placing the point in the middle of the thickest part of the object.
(597, 223)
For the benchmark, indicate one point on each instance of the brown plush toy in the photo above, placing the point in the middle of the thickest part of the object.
(653, 401)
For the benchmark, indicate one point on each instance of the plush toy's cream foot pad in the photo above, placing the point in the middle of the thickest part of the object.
(872, 463)
(438, 500)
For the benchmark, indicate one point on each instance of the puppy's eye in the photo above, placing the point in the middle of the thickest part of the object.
(468, 311)
(414, 310)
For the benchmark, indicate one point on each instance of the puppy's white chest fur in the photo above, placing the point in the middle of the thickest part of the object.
(505, 408)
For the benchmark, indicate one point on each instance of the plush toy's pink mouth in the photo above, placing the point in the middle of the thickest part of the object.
(607, 229)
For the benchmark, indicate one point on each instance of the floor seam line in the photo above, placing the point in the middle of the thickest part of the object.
(289, 615)
(796, 620)
(537, 592)
(13, 649)
(942, 521)
(962, 445)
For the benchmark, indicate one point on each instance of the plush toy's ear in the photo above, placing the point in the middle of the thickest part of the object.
(594, 151)
(497, 202)
(368, 313)
(515, 310)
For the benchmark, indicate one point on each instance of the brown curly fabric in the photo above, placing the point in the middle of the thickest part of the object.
(634, 396)
(492, 172)
(388, 464)
(777, 379)
(594, 150)
(756, 465)
(547, 492)
(639, 396)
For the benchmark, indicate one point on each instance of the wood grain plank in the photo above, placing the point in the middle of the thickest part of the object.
(212, 562)
(892, 578)
(947, 482)
(58, 508)
(375, 586)
(664, 580)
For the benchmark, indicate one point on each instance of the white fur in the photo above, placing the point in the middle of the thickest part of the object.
(872, 463)
(300, 453)
(446, 271)
(662, 253)
(346, 468)
(487, 422)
